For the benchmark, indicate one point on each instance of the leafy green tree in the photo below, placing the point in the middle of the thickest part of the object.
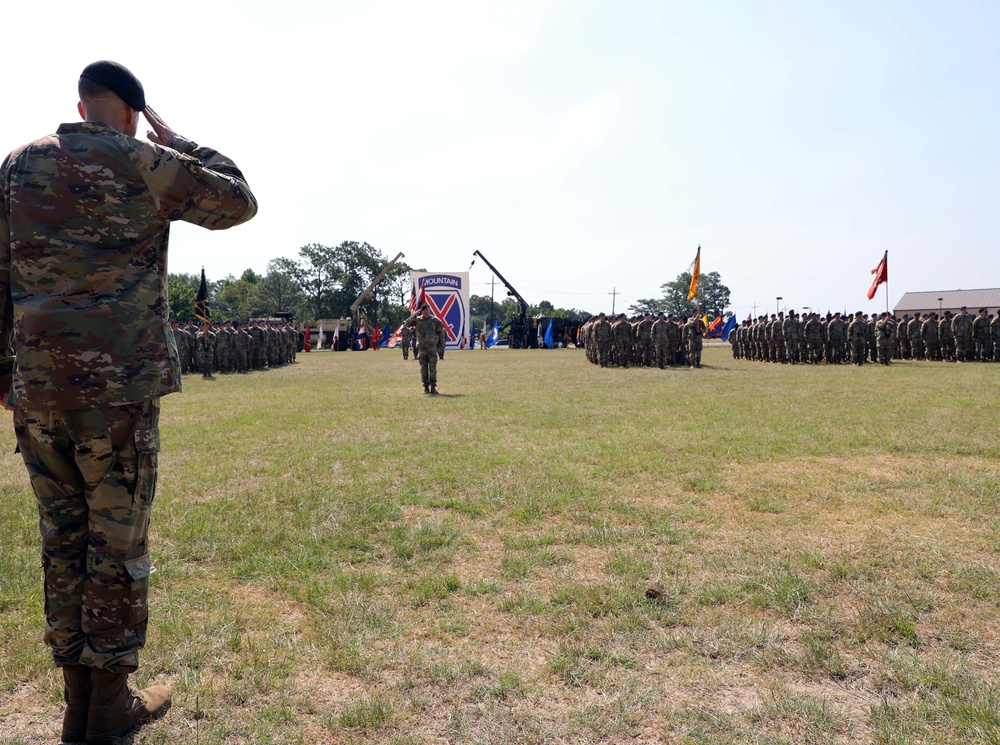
(279, 289)
(235, 299)
(712, 294)
(318, 274)
(649, 305)
(182, 297)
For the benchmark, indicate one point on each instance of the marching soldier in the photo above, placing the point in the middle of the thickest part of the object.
(431, 340)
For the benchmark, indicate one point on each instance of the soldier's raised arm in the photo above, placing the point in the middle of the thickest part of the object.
(193, 183)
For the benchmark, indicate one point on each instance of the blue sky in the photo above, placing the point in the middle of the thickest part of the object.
(581, 146)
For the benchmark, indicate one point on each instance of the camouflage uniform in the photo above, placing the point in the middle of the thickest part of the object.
(621, 332)
(814, 339)
(961, 326)
(644, 341)
(885, 330)
(916, 342)
(995, 335)
(241, 349)
(602, 340)
(84, 217)
(903, 338)
(258, 352)
(929, 333)
(183, 340)
(694, 330)
(857, 332)
(406, 336)
(223, 348)
(981, 337)
(206, 350)
(790, 333)
(431, 338)
(837, 331)
(947, 337)
(661, 341)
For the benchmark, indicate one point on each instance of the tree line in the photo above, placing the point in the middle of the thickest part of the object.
(323, 282)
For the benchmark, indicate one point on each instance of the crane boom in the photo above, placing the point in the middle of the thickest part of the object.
(517, 324)
(368, 290)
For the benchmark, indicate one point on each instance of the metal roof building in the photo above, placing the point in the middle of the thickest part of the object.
(953, 300)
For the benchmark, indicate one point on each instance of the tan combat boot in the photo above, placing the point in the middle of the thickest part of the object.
(116, 709)
(77, 695)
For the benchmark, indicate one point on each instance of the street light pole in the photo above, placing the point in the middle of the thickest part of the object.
(777, 304)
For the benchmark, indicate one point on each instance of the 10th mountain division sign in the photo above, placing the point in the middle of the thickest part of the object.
(447, 294)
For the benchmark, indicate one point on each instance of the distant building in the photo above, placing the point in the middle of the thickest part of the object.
(939, 301)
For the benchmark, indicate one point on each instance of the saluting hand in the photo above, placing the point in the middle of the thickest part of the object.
(161, 133)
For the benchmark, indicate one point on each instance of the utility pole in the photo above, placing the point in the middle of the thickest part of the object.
(493, 280)
(754, 306)
(614, 293)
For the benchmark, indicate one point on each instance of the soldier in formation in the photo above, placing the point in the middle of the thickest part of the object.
(835, 340)
(235, 346)
(666, 341)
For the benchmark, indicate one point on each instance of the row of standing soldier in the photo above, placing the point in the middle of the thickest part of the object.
(234, 346)
(666, 341)
(809, 338)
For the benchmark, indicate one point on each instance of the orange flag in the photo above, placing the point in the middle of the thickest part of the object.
(695, 275)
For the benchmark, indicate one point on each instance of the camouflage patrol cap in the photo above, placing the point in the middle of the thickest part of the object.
(118, 79)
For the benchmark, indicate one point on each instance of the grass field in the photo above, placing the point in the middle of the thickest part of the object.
(343, 559)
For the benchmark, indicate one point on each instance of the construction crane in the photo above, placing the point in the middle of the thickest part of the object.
(517, 325)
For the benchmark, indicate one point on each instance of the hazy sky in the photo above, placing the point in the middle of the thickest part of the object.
(581, 146)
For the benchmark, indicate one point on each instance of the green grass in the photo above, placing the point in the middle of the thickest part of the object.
(343, 559)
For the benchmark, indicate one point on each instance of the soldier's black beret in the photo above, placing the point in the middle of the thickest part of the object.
(119, 79)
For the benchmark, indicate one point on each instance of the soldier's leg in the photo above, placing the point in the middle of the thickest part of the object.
(425, 376)
(432, 367)
(48, 454)
(96, 612)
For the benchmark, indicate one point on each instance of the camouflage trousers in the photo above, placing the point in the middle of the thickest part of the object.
(963, 348)
(93, 472)
(662, 353)
(428, 366)
(694, 351)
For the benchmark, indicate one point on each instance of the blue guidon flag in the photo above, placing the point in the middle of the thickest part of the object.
(448, 298)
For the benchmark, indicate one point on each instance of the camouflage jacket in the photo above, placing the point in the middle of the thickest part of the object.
(429, 331)
(961, 325)
(84, 218)
(602, 331)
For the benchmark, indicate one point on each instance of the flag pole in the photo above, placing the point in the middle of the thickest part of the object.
(886, 260)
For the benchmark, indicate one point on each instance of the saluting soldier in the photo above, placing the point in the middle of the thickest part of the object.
(84, 223)
(431, 338)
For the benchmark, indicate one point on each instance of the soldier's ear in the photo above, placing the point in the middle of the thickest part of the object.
(79, 107)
